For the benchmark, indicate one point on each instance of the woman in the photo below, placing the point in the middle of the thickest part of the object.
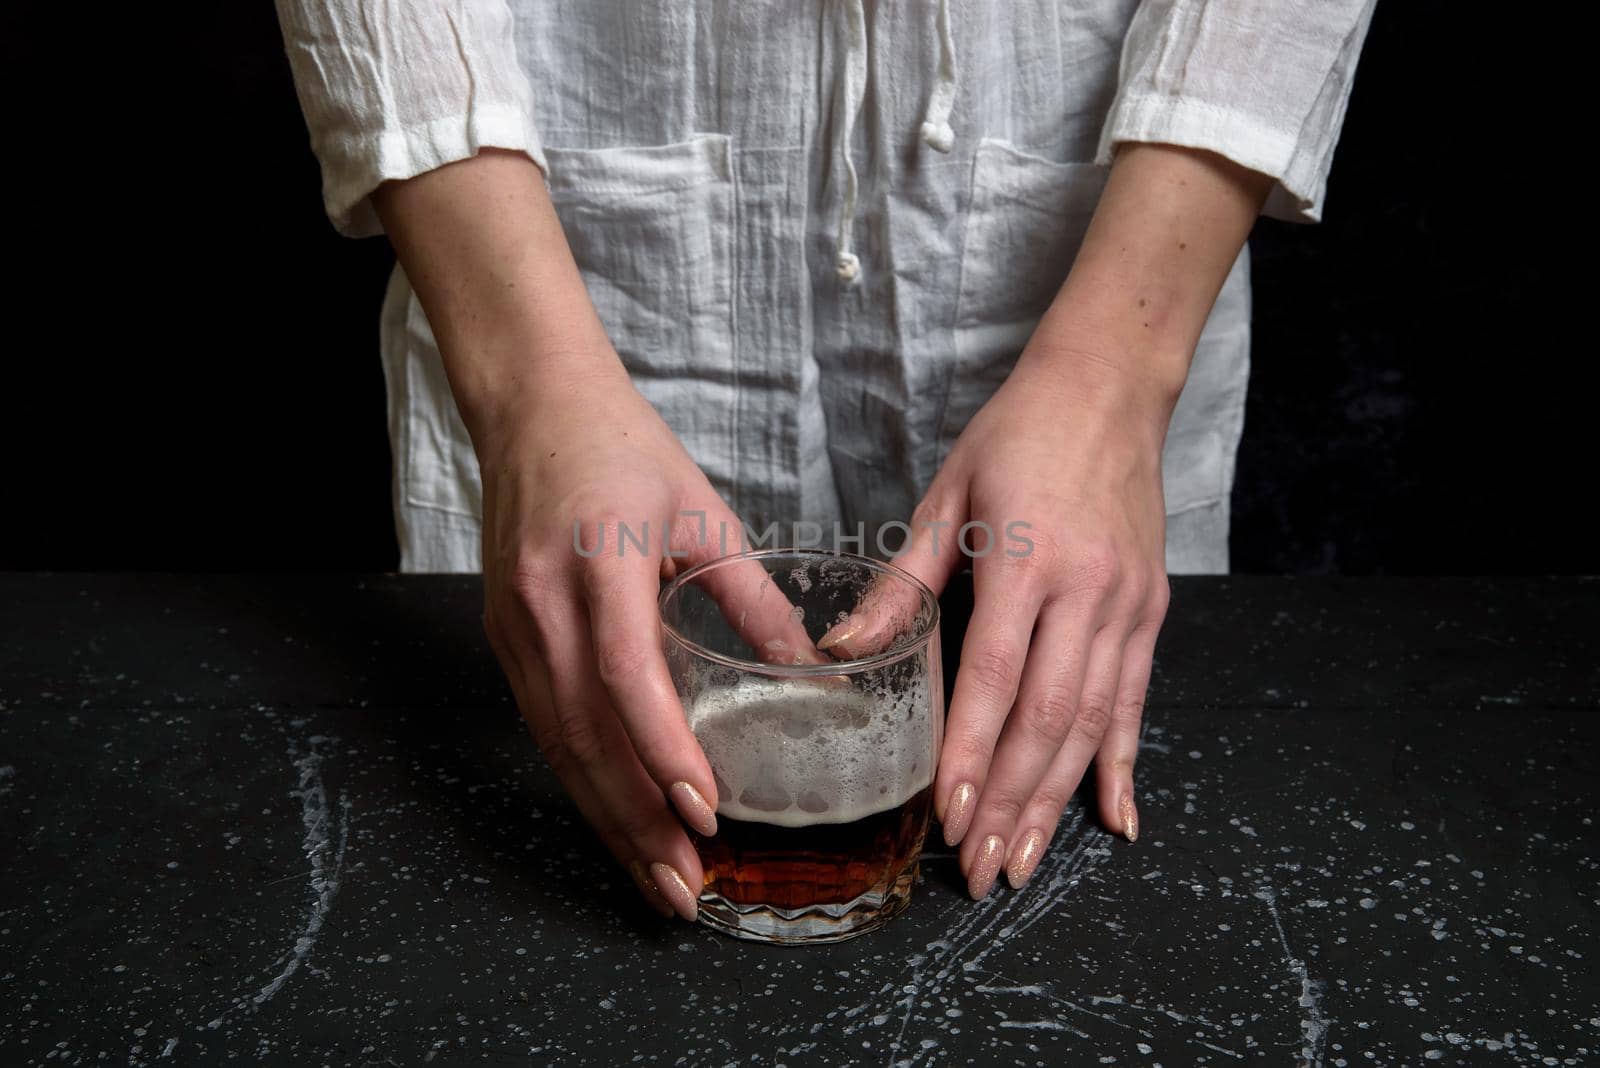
(832, 262)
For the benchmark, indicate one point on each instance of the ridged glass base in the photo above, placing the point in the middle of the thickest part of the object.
(818, 923)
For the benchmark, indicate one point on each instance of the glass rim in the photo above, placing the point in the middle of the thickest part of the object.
(838, 667)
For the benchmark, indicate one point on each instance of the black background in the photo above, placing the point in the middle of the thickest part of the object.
(192, 378)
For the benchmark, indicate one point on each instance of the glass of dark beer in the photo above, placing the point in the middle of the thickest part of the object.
(824, 757)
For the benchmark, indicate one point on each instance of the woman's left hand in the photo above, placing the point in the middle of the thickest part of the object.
(1057, 656)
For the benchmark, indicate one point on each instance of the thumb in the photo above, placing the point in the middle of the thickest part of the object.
(888, 606)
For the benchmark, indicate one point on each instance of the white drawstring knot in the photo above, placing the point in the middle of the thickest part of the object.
(847, 266)
(940, 136)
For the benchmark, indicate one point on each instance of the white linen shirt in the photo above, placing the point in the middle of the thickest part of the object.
(818, 232)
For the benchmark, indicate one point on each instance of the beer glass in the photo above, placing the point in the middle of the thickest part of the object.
(824, 760)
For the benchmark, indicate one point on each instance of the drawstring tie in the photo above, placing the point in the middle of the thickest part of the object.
(935, 130)
(853, 93)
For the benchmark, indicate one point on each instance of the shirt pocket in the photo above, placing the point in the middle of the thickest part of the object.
(651, 229)
(1025, 220)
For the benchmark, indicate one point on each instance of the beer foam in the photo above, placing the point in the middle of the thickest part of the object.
(799, 752)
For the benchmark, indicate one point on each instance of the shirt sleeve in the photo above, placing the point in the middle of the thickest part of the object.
(394, 88)
(1262, 82)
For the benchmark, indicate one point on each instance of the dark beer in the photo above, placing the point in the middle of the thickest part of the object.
(794, 868)
(823, 792)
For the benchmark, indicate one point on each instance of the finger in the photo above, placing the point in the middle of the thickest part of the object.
(585, 733)
(933, 553)
(745, 593)
(992, 657)
(1043, 814)
(1042, 803)
(755, 606)
(536, 708)
(1037, 723)
(1120, 750)
(620, 597)
(887, 609)
(931, 557)
(618, 798)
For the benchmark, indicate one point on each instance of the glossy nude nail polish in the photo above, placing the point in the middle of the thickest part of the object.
(985, 866)
(647, 888)
(1025, 858)
(675, 890)
(693, 807)
(958, 813)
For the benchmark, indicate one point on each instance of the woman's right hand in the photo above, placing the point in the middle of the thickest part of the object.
(577, 632)
(562, 437)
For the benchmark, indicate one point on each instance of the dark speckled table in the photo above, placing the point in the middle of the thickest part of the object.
(296, 820)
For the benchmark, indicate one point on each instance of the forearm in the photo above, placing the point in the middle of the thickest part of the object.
(482, 247)
(1167, 230)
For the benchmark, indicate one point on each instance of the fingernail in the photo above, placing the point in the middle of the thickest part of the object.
(674, 889)
(694, 809)
(1024, 859)
(652, 896)
(1130, 819)
(958, 813)
(840, 632)
(986, 866)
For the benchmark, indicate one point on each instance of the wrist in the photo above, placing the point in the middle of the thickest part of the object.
(511, 384)
(1123, 383)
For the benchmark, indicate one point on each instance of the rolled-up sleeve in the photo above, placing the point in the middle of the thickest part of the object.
(393, 88)
(1262, 82)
